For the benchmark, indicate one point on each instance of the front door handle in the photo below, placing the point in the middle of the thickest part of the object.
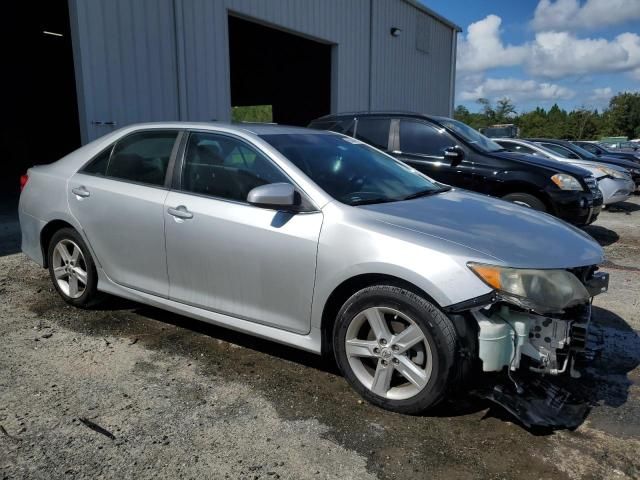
(81, 192)
(180, 212)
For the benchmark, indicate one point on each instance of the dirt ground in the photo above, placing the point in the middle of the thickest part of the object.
(182, 399)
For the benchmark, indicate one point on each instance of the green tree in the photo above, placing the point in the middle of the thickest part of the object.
(622, 117)
(505, 110)
(624, 111)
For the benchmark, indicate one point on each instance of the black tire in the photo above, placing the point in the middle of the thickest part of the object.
(526, 200)
(436, 327)
(90, 296)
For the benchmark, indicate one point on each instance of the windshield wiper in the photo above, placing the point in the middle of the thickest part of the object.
(426, 193)
(370, 201)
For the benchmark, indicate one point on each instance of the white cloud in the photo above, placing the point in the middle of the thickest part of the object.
(560, 54)
(516, 89)
(562, 15)
(601, 94)
(549, 54)
(482, 48)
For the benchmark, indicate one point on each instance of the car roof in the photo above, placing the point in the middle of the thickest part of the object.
(382, 113)
(551, 140)
(255, 128)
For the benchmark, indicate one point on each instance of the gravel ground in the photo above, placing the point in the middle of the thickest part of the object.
(181, 399)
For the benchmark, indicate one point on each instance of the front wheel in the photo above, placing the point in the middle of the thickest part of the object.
(395, 348)
(526, 200)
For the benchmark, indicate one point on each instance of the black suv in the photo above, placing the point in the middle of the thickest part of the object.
(454, 153)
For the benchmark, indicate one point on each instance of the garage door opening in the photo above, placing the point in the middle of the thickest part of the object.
(269, 67)
(40, 111)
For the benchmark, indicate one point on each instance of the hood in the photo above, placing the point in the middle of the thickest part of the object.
(516, 236)
(621, 162)
(591, 166)
(549, 163)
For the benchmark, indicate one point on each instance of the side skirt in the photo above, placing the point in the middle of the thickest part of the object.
(310, 342)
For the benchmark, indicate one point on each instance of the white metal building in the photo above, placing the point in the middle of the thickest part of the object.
(122, 61)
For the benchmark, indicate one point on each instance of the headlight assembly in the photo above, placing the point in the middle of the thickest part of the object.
(612, 172)
(566, 182)
(544, 291)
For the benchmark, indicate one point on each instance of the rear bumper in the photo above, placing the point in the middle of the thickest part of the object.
(577, 208)
(30, 228)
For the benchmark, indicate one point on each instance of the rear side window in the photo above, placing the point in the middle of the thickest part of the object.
(342, 125)
(374, 131)
(225, 167)
(98, 166)
(423, 139)
(142, 157)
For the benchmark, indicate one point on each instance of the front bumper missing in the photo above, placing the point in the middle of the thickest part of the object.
(535, 350)
(546, 401)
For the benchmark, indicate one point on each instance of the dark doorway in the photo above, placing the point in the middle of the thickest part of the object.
(286, 71)
(40, 110)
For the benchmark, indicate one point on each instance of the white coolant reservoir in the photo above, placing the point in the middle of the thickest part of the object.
(496, 339)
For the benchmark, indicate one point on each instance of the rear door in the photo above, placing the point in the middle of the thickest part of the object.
(422, 146)
(118, 198)
(228, 256)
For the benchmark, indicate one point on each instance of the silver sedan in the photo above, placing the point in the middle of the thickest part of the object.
(319, 241)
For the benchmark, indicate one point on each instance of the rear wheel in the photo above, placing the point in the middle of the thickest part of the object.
(395, 348)
(72, 270)
(526, 200)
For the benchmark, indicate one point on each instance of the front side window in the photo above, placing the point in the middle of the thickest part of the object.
(560, 150)
(589, 147)
(470, 135)
(423, 139)
(225, 167)
(515, 147)
(351, 171)
(374, 131)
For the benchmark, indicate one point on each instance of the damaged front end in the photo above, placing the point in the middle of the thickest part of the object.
(534, 327)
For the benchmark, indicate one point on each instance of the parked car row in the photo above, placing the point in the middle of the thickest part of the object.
(615, 184)
(455, 154)
(316, 239)
(600, 149)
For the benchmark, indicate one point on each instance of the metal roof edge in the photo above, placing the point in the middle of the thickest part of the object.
(420, 6)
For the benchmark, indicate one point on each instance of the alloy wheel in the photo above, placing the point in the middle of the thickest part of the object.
(69, 268)
(388, 353)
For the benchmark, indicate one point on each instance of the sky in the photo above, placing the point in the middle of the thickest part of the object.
(576, 53)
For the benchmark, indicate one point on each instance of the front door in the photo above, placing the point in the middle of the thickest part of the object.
(118, 199)
(231, 257)
(422, 146)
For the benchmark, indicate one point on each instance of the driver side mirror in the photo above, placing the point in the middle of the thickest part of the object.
(273, 195)
(454, 154)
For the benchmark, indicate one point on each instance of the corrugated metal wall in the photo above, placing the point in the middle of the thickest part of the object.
(404, 77)
(125, 61)
(169, 59)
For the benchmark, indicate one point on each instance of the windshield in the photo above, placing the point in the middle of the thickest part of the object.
(553, 153)
(582, 152)
(351, 171)
(467, 133)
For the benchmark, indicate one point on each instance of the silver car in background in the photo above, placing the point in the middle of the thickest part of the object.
(614, 182)
(318, 241)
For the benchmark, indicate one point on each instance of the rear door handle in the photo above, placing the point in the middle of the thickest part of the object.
(81, 192)
(180, 212)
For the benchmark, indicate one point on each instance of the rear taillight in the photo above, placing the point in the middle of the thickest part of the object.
(23, 181)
